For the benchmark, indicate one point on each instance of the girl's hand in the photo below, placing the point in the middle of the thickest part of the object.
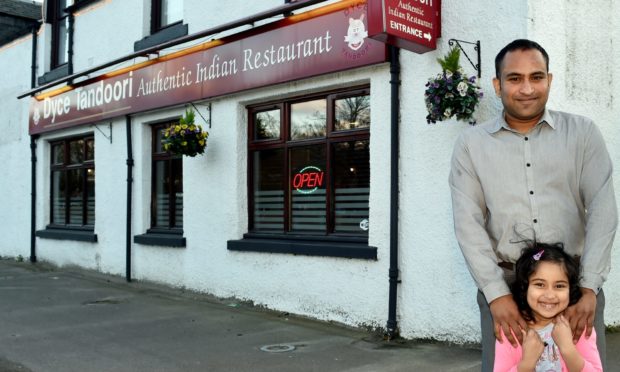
(563, 337)
(562, 334)
(533, 348)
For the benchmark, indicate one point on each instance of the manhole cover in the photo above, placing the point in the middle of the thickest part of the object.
(279, 348)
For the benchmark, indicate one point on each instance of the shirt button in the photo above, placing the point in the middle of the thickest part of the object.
(528, 164)
(526, 138)
(535, 220)
(531, 192)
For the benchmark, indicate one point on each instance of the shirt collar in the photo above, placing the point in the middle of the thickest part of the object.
(500, 122)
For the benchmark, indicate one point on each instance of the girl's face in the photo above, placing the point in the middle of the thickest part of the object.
(548, 291)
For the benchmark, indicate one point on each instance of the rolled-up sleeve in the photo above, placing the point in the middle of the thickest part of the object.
(470, 212)
(597, 190)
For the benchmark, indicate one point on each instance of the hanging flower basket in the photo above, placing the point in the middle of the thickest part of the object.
(451, 93)
(185, 137)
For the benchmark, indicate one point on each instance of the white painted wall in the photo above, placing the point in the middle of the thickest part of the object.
(436, 297)
(14, 149)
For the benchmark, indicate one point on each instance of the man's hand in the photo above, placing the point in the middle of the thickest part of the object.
(581, 315)
(507, 318)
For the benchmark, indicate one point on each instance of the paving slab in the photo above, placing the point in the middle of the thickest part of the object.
(75, 320)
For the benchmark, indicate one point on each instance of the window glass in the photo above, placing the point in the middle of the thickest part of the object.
(73, 182)
(76, 151)
(63, 41)
(311, 178)
(308, 119)
(161, 202)
(267, 125)
(351, 187)
(58, 198)
(352, 112)
(268, 191)
(58, 154)
(167, 185)
(171, 12)
(75, 188)
(308, 186)
(90, 196)
(90, 149)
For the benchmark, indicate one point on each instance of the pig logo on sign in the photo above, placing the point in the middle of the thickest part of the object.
(356, 33)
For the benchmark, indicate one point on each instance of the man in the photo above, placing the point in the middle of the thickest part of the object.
(532, 173)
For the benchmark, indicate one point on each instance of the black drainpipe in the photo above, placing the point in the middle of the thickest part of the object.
(33, 155)
(70, 46)
(129, 188)
(392, 329)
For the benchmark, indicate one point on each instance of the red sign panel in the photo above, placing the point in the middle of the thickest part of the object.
(297, 47)
(414, 25)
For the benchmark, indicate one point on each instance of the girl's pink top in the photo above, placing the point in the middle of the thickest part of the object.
(507, 358)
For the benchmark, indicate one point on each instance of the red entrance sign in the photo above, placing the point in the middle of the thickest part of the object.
(414, 25)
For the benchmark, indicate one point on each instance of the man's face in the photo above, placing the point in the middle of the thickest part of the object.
(523, 85)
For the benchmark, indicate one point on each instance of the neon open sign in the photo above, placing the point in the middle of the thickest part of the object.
(308, 180)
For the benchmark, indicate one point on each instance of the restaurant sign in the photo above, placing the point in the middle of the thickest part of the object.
(414, 25)
(323, 40)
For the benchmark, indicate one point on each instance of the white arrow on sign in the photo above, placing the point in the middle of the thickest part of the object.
(427, 36)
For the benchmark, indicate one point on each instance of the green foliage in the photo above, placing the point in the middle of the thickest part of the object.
(451, 61)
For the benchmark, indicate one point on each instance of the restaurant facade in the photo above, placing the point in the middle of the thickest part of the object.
(322, 190)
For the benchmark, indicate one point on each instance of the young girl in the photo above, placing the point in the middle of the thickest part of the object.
(546, 283)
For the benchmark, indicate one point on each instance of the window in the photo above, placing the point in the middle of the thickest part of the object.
(73, 182)
(59, 20)
(167, 187)
(309, 166)
(165, 13)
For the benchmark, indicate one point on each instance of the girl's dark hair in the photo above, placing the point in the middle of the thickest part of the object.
(527, 264)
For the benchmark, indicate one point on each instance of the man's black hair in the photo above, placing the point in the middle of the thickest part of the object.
(519, 44)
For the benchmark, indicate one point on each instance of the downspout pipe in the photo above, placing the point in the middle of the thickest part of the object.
(130, 164)
(33, 197)
(33, 155)
(392, 324)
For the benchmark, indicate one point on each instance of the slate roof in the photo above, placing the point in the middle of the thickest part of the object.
(21, 8)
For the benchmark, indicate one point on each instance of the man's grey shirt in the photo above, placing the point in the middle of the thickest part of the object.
(553, 183)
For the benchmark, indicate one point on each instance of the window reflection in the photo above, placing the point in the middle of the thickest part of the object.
(308, 119)
(353, 112)
(267, 124)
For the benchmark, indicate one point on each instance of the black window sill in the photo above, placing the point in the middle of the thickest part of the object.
(67, 234)
(161, 239)
(166, 34)
(346, 248)
(55, 74)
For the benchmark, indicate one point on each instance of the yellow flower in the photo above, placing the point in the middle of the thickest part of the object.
(166, 147)
(201, 142)
(184, 143)
(192, 127)
(184, 126)
(177, 128)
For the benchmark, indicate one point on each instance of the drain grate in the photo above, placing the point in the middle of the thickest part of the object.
(278, 348)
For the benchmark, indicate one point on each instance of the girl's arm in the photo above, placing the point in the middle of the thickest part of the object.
(519, 359)
(574, 357)
(587, 348)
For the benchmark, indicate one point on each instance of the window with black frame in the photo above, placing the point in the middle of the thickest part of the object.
(165, 13)
(167, 186)
(309, 165)
(73, 182)
(59, 20)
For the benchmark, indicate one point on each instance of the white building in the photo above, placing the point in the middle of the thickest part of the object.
(228, 222)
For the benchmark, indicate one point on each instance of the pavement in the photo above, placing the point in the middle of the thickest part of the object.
(70, 319)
